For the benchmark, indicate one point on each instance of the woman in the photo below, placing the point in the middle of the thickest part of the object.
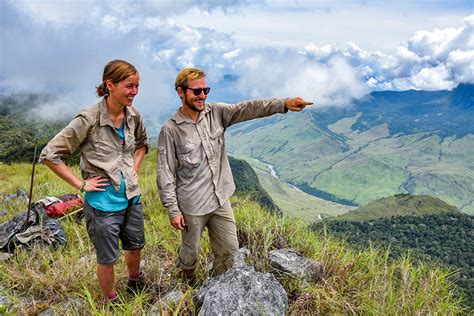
(112, 140)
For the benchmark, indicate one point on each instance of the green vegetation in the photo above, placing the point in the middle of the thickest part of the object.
(246, 182)
(355, 282)
(21, 129)
(444, 237)
(399, 205)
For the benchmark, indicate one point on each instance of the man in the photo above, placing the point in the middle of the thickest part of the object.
(193, 175)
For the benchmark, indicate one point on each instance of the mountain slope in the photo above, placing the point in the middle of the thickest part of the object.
(399, 205)
(247, 183)
(414, 142)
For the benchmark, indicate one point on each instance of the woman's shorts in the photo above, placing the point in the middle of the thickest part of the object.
(105, 229)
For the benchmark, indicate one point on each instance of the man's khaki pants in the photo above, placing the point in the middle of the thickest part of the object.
(222, 234)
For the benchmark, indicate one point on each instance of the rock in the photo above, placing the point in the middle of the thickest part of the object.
(240, 257)
(169, 300)
(290, 262)
(72, 307)
(242, 291)
(20, 194)
(3, 213)
(5, 302)
(5, 256)
(172, 297)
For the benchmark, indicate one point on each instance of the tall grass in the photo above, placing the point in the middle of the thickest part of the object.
(354, 282)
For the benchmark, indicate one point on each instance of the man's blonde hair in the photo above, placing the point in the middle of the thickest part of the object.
(186, 74)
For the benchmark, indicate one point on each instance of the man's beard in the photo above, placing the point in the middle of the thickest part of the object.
(191, 105)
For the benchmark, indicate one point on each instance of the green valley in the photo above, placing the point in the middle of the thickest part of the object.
(414, 142)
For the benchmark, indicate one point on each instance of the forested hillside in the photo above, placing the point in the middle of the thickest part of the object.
(398, 205)
(247, 183)
(21, 130)
(446, 238)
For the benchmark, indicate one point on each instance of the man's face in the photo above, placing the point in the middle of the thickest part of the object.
(192, 101)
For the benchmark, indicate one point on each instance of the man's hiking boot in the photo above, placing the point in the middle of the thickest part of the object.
(188, 277)
(136, 285)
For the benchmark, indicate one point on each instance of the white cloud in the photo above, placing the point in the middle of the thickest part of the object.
(430, 60)
(434, 78)
(462, 65)
(262, 73)
(61, 47)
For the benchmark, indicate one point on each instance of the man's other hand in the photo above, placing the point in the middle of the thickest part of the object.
(178, 222)
(296, 104)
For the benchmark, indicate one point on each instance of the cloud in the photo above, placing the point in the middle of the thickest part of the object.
(335, 82)
(61, 48)
(434, 60)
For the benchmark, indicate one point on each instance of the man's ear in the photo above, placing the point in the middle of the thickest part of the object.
(180, 92)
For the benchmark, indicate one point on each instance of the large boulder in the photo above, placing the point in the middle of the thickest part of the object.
(289, 261)
(242, 291)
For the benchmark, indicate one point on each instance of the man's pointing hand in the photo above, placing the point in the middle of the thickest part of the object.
(296, 104)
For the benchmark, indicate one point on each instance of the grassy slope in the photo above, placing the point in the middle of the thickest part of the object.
(362, 166)
(355, 282)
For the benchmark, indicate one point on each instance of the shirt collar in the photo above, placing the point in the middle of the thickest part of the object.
(180, 118)
(104, 115)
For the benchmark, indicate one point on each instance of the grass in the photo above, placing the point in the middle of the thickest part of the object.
(354, 282)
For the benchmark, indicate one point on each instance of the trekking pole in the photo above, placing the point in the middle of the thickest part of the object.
(31, 186)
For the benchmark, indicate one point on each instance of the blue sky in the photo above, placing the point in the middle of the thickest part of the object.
(325, 51)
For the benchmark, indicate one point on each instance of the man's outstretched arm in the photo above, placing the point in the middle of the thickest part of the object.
(251, 109)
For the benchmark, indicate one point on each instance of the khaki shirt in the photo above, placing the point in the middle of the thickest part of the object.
(102, 154)
(193, 172)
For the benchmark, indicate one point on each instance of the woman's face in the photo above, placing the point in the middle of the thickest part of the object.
(125, 91)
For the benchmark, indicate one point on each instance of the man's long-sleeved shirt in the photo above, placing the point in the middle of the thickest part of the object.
(102, 151)
(193, 172)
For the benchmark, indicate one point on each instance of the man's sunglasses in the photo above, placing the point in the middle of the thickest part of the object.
(198, 91)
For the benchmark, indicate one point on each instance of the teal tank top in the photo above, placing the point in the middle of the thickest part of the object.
(111, 200)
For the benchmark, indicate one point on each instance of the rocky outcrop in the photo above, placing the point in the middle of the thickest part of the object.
(242, 291)
(289, 261)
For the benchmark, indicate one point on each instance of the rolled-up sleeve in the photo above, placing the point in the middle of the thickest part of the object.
(66, 141)
(250, 109)
(166, 173)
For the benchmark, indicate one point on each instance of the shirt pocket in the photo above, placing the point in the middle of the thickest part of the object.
(188, 155)
(216, 138)
(105, 149)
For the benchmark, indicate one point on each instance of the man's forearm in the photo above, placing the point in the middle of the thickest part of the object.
(252, 109)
